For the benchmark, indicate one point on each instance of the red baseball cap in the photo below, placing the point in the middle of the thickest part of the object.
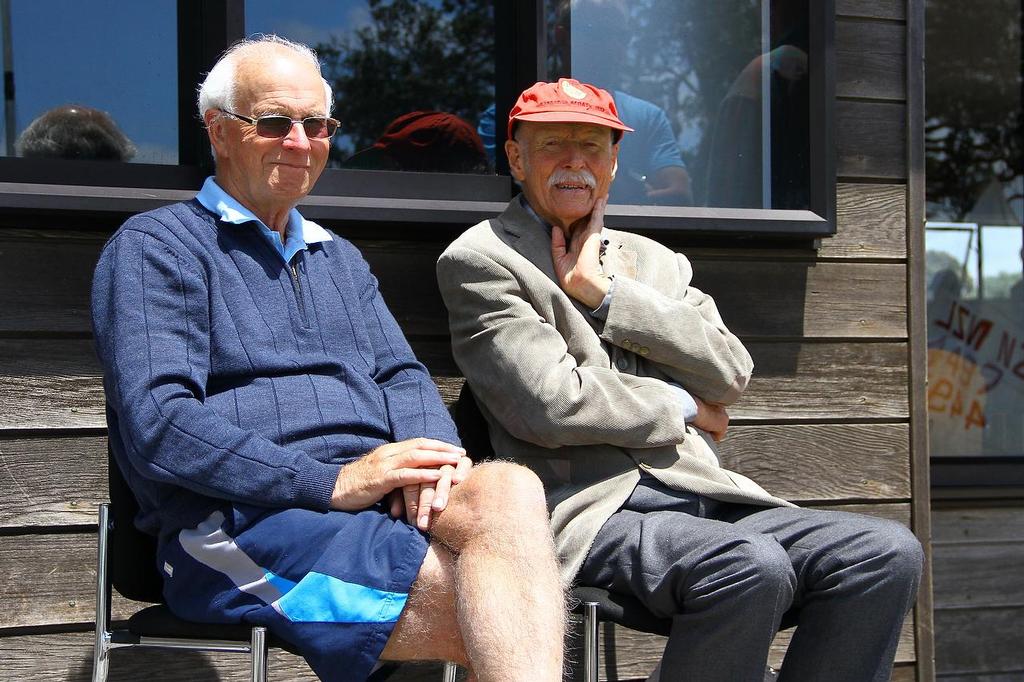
(567, 101)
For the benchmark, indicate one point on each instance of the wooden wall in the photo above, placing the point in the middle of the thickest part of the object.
(828, 421)
(979, 590)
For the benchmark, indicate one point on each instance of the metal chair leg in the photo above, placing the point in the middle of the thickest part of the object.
(259, 654)
(101, 643)
(590, 641)
(449, 672)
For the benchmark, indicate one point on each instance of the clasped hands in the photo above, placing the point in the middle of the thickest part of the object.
(414, 476)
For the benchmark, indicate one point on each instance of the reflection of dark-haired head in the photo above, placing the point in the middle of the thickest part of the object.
(945, 285)
(425, 141)
(75, 132)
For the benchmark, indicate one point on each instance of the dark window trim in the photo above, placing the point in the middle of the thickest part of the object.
(206, 28)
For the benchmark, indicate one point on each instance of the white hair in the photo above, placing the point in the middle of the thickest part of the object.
(217, 91)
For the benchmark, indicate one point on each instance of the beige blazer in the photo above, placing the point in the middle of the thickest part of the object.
(585, 403)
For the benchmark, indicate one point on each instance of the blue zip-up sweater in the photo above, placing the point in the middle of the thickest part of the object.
(231, 376)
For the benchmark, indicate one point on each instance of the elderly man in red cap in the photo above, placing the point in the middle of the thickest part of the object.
(599, 366)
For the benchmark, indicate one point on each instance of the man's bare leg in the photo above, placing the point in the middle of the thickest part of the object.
(488, 595)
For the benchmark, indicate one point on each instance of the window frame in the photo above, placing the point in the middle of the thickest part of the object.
(207, 27)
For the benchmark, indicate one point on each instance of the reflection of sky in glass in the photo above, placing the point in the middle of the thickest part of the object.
(116, 55)
(1001, 250)
(1001, 247)
(310, 23)
(958, 243)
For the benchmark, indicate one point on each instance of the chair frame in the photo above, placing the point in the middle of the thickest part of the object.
(107, 639)
(591, 642)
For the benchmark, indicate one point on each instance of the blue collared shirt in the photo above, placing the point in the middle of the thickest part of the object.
(298, 234)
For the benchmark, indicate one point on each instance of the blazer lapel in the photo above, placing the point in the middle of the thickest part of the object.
(532, 240)
(528, 237)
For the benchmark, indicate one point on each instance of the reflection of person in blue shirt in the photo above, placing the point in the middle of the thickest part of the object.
(650, 167)
(650, 170)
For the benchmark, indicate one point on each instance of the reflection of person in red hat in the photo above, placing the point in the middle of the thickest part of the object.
(425, 141)
(598, 365)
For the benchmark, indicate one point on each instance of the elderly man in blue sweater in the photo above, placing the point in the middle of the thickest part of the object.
(291, 455)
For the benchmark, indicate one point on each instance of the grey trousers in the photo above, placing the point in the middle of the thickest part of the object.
(729, 575)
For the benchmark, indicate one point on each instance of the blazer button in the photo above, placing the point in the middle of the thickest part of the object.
(644, 350)
(627, 344)
(622, 363)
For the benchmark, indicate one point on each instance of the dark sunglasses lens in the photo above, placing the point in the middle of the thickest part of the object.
(319, 127)
(273, 126)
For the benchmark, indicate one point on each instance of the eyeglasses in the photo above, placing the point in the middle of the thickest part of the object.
(277, 125)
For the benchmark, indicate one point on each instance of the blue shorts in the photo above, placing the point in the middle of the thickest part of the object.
(332, 584)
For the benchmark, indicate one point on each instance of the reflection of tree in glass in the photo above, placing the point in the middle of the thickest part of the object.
(684, 57)
(1000, 285)
(973, 102)
(412, 56)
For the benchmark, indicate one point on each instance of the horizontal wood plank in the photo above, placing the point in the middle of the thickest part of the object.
(45, 281)
(871, 140)
(977, 574)
(47, 284)
(807, 299)
(793, 298)
(53, 482)
(979, 641)
(871, 60)
(48, 384)
(68, 657)
(893, 511)
(823, 461)
(825, 381)
(872, 9)
(977, 524)
(49, 579)
(791, 380)
(871, 222)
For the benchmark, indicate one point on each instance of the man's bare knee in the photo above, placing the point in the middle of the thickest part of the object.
(495, 498)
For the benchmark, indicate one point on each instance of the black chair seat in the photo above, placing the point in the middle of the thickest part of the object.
(623, 609)
(158, 621)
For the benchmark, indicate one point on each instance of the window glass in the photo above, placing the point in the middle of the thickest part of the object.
(718, 93)
(974, 237)
(411, 78)
(90, 80)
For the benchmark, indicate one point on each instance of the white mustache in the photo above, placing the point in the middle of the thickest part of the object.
(566, 177)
